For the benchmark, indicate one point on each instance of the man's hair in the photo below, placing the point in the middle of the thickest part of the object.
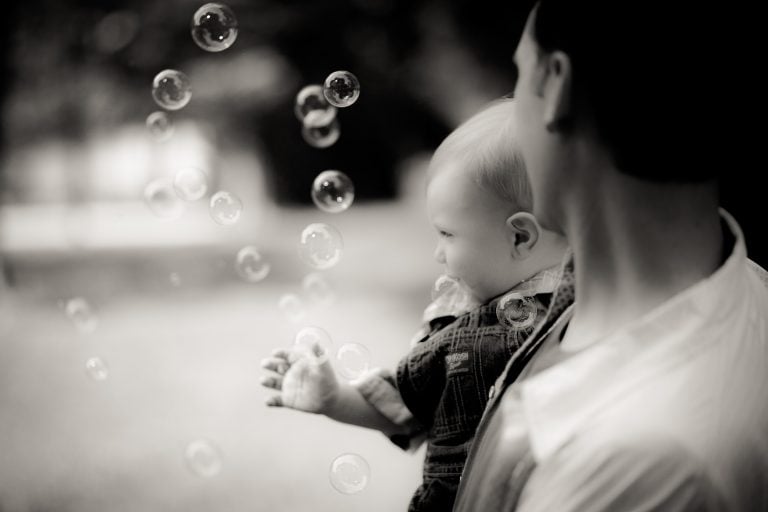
(638, 69)
(486, 147)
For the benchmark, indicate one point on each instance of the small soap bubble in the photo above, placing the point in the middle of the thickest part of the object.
(203, 458)
(80, 312)
(349, 473)
(292, 307)
(310, 337)
(160, 126)
(225, 207)
(317, 289)
(96, 368)
(311, 107)
(190, 183)
(171, 89)
(251, 265)
(333, 191)
(162, 200)
(320, 246)
(341, 89)
(322, 136)
(353, 360)
(214, 27)
(517, 311)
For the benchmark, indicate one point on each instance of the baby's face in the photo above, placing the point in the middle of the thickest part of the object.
(473, 242)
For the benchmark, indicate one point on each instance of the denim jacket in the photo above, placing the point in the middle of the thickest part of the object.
(442, 385)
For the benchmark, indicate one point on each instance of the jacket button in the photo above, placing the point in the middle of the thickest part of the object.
(491, 393)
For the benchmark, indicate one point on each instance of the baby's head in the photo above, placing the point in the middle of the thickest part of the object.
(479, 201)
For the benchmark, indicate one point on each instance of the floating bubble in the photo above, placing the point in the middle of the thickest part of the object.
(171, 89)
(160, 125)
(308, 337)
(333, 191)
(190, 183)
(321, 136)
(317, 289)
(214, 27)
(341, 89)
(353, 360)
(251, 265)
(292, 307)
(349, 473)
(516, 311)
(96, 368)
(312, 108)
(320, 246)
(226, 207)
(161, 198)
(203, 458)
(82, 314)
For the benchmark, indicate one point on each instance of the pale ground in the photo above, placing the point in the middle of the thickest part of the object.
(184, 361)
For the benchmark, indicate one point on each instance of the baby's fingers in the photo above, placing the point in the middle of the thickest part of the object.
(275, 401)
(272, 382)
(275, 364)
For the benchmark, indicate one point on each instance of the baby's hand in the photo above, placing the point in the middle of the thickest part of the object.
(303, 376)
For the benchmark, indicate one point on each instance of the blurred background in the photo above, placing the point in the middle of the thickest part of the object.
(130, 345)
(129, 342)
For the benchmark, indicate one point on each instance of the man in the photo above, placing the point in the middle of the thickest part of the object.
(645, 387)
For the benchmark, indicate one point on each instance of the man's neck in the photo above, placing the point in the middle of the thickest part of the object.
(636, 245)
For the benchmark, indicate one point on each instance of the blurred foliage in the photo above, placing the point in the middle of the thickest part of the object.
(78, 67)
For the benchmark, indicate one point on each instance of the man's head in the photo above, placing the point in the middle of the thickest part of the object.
(614, 83)
(479, 201)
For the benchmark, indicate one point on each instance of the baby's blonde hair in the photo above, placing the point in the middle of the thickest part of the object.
(486, 146)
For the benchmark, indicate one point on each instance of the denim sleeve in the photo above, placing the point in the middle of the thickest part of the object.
(379, 389)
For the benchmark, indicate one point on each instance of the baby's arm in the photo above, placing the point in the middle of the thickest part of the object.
(306, 382)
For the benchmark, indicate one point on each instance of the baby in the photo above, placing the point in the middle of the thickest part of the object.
(500, 270)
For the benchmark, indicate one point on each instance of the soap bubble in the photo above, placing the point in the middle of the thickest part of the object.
(320, 246)
(352, 360)
(516, 311)
(341, 89)
(162, 200)
(321, 136)
(312, 108)
(251, 265)
(203, 458)
(349, 473)
(333, 191)
(292, 307)
(96, 368)
(317, 289)
(225, 207)
(80, 312)
(214, 27)
(309, 337)
(160, 125)
(171, 89)
(190, 183)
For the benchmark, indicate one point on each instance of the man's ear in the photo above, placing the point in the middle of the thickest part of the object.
(524, 231)
(554, 87)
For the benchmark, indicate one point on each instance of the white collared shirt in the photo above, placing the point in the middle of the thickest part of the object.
(669, 413)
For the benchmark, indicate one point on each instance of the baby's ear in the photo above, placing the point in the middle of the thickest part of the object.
(524, 231)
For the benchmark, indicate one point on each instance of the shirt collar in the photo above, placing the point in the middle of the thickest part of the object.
(559, 399)
(454, 300)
